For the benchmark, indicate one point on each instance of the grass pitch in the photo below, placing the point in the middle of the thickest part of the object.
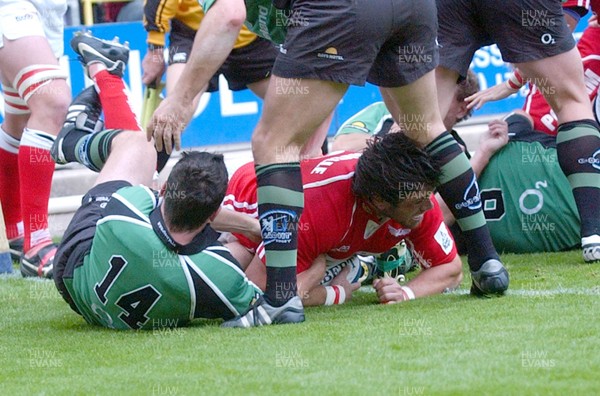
(541, 338)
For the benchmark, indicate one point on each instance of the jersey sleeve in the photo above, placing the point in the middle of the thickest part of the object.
(432, 243)
(368, 121)
(241, 197)
(157, 19)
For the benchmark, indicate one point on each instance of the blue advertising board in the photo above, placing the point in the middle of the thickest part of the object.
(225, 117)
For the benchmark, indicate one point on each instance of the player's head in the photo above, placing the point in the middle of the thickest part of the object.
(397, 177)
(458, 110)
(194, 190)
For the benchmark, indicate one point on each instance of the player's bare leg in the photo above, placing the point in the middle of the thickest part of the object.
(29, 63)
(423, 122)
(289, 119)
(560, 79)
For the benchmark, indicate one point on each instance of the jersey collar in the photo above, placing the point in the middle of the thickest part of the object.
(201, 241)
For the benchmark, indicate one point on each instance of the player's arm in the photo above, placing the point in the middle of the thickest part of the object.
(157, 22)
(238, 223)
(213, 43)
(313, 293)
(430, 281)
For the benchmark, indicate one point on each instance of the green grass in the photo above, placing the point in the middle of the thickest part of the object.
(541, 338)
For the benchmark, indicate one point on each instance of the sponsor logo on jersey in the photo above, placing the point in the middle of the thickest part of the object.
(398, 232)
(442, 237)
(330, 53)
(471, 198)
(21, 18)
(277, 226)
(342, 249)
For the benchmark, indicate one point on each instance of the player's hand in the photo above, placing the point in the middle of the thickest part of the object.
(153, 66)
(495, 138)
(494, 93)
(341, 279)
(388, 290)
(167, 123)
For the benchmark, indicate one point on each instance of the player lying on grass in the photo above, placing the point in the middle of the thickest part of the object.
(360, 204)
(129, 258)
(527, 201)
(544, 53)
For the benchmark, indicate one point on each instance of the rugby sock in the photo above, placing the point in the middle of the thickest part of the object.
(35, 170)
(280, 204)
(115, 102)
(460, 191)
(578, 148)
(92, 150)
(10, 196)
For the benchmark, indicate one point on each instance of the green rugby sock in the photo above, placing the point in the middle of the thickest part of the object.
(92, 150)
(280, 204)
(460, 191)
(578, 149)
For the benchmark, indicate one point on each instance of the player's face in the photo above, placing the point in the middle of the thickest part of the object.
(410, 211)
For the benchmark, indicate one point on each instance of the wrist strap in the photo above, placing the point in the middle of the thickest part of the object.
(515, 82)
(335, 295)
(408, 293)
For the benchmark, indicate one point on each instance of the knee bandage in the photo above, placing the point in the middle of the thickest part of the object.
(13, 103)
(32, 78)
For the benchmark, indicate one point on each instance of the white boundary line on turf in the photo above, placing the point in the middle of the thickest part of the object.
(595, 291)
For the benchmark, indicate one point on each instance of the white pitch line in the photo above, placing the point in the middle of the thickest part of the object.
(595, 291)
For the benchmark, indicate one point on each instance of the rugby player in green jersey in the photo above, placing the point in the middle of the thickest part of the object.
(132, 258)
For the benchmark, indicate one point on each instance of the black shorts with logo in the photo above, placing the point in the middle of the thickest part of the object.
(524, 30)
(389, 43)
(243, 66)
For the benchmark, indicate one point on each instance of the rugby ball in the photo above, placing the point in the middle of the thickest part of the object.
(358, 270)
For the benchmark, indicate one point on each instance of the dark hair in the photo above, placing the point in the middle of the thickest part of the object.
(391, 166)
(467, 87)
(194, 190)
